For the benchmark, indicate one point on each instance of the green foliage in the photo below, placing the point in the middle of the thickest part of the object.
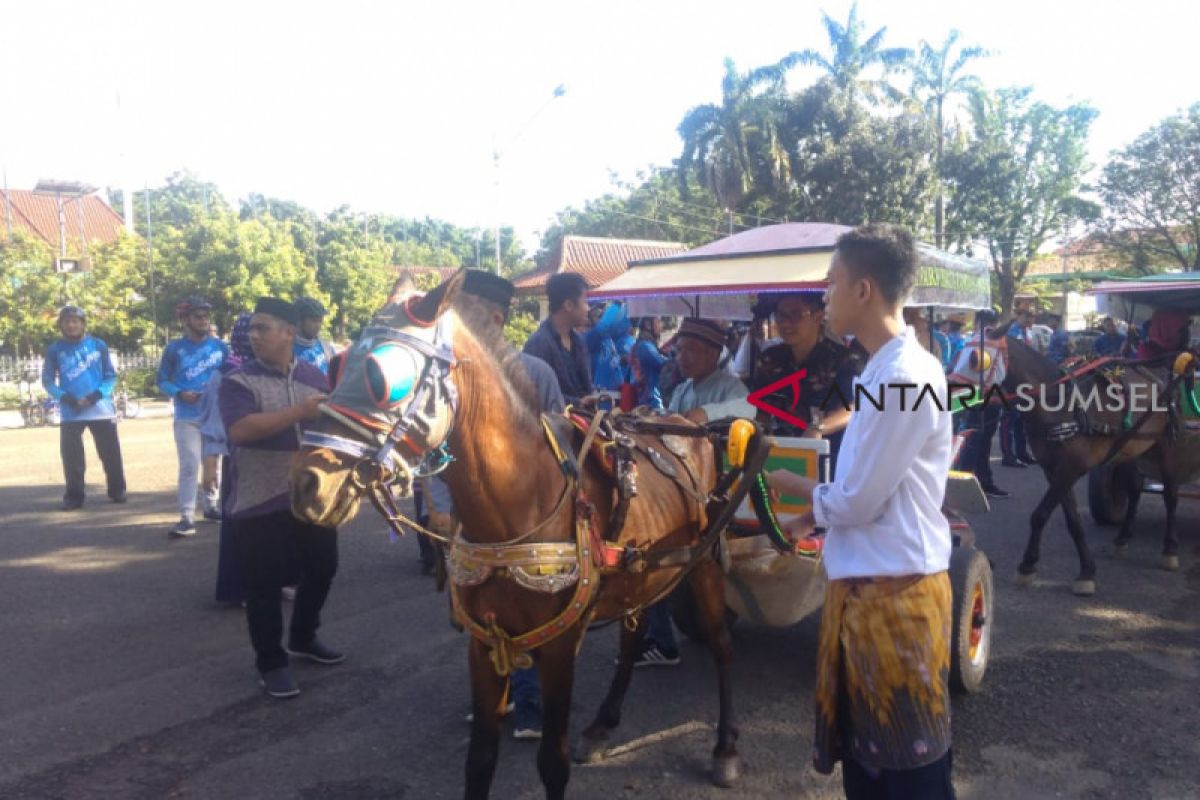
(30, 294)
(520, 326)
(141, 381)
(1014, 177)
(857, 66)
(1151, 193)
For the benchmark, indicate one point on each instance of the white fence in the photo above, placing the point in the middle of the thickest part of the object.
(13, 370)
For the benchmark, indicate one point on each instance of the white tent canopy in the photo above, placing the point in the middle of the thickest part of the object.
(722, 279)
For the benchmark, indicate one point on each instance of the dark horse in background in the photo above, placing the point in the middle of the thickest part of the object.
(508, 484)
(1068, 443)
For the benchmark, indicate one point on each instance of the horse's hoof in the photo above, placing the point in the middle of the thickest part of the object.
(726, 770)
(1025, 579)
(1120, 550)
(1170, 563)
(589, 751)
(1083, 588)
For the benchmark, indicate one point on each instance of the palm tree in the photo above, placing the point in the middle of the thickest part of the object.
(852, 57)
(729, 144)
(937, 77)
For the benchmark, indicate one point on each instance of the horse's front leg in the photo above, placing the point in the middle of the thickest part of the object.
(593, 743)
(1085, 584)
(556, 668)
(1027, 569)
(707, 583)
(1170, 554)
(487, 695)
(1129, 477)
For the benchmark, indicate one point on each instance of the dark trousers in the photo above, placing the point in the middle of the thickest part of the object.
(272, 550)
(70, 445)
(977, 452)
(1012, 437)
(930, 782)
(229, 577)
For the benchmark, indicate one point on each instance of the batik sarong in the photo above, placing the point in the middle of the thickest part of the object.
(883, 665)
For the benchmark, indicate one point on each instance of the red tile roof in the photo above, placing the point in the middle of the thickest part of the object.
(37, 214)
(597, 259)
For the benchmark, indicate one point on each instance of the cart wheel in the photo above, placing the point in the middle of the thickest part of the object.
(1107, 498)
(971, 632)
(685, 616)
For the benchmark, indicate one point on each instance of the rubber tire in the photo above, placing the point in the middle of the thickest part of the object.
(1106, 500)
(683, 613)
(968, 566)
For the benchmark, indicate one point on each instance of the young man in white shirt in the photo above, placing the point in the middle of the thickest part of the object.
(883, 702)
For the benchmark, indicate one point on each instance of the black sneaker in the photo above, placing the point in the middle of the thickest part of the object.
(121, 498)
(1028, 461)
(995, 491)
(1012, 462)
(279, 683)
(315, 651)
(212, 514)
(72, 505)
(183, 529)
(654, 656)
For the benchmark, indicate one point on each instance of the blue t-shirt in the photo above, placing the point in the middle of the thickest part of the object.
(80, 369)
(650, 362)
(315, 352)
(186, 367)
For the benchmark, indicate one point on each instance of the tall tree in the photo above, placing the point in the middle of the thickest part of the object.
(30, 293)
(1014, 180)
(856, 65)
(937, 76)
(723, 144)
(1151, 194)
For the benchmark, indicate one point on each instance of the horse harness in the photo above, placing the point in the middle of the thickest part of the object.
(552, 567)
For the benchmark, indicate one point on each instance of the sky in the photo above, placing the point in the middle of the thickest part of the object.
(398, 107)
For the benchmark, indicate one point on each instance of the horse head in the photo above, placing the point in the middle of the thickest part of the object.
(390, 412)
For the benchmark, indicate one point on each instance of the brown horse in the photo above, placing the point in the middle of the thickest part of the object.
(512, 481)
(1068, 442)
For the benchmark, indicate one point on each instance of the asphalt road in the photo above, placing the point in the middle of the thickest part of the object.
(121, 679)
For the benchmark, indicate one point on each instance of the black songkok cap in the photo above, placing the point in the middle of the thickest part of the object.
(277, 308)
(489, 286)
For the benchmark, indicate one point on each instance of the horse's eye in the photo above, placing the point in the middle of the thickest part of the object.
(391, 371)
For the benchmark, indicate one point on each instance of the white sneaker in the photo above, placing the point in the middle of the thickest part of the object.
(508, 709)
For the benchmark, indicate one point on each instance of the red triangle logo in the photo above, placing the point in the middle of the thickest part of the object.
(758, 399)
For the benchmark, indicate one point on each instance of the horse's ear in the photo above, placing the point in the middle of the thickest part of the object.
(434, 304)
(402, 288)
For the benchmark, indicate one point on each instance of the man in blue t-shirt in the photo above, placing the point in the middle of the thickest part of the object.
(309, 345)
(79, 374)
(187, 364)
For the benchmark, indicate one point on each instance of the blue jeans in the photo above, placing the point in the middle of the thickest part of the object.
(659, 628)
(525, 690)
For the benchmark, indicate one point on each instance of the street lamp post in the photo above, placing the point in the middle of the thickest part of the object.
(558, 92)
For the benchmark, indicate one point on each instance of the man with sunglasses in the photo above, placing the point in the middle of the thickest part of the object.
(830, 369)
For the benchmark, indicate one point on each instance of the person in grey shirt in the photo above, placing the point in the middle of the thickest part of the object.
(496, 295)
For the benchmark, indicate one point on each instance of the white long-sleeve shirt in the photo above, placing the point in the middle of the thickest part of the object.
(883, 510)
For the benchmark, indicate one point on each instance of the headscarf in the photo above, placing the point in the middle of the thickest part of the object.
(1166, 329)
(239, 341)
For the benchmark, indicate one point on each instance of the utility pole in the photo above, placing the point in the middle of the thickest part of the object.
(559, 91)
(150, 261)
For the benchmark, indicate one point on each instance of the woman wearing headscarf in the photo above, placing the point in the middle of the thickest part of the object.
(1167, 333)
(215, 452)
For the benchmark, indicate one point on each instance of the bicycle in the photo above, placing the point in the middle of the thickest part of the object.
(36, 411)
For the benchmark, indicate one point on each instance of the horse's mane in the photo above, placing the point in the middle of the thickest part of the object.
(476, 316)
(1043, 369)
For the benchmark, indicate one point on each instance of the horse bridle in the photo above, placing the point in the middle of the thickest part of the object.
(378, 465)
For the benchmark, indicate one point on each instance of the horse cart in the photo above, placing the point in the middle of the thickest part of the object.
(1135, 299)
(765, 585)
